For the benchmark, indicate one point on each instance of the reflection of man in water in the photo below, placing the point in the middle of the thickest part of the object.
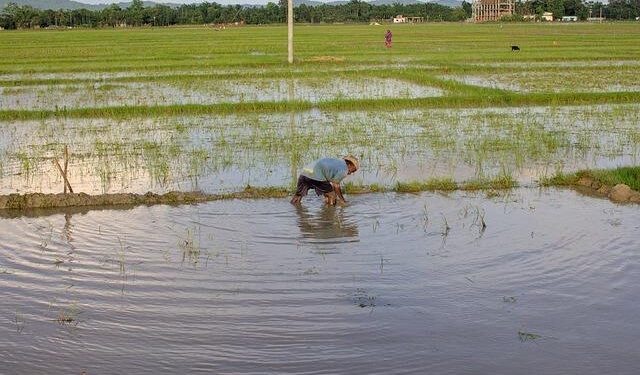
(325, 176)
(329, 222)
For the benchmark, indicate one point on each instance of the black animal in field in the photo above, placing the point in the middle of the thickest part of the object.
(515, 48)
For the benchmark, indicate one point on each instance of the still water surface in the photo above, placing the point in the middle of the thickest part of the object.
(388, 284)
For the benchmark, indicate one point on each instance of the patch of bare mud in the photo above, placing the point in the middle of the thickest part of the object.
(619, 193)
(40, 200)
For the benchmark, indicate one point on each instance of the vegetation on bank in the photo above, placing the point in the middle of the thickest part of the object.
(39, 200)
(629, 176)
(623, 175)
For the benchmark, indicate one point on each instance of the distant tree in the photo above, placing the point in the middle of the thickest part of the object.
(8, 16)
(284, 6)
(467, 9)
(556, 7)
(112, 15)
(134, 14)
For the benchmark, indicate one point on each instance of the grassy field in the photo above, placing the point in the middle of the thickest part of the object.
(182, 104)
(167, 49)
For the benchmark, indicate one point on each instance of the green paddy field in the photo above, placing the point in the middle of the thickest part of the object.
(466, 255)
(201, 108)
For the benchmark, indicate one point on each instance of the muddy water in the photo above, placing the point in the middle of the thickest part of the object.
(389, 284)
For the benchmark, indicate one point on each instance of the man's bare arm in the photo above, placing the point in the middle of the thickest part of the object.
(338, 190)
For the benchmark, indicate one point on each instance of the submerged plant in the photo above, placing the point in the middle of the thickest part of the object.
(527, 336)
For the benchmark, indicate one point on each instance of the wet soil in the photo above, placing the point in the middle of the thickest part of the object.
(619, 193)
(40, 200)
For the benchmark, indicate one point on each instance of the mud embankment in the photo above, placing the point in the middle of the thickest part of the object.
(21, 202)
(619, 193)
(40, 200)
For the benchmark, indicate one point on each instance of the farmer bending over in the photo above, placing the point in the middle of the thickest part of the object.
(325, 176)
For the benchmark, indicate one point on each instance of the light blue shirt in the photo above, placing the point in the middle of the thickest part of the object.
(327, 169)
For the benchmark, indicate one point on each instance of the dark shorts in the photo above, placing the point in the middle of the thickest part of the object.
(305, 183)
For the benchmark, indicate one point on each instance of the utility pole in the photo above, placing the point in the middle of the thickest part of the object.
(290, 29)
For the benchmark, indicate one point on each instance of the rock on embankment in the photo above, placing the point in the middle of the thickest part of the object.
(620, 193)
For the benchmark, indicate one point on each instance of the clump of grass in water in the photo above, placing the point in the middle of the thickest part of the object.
(68, 316)
(528, 336)
(560, 179)
(362, 299)
(191, 250)
(19, 321)
(445, 226)
(351, 188)
(445, 184)
(496, 183)
(623, 175)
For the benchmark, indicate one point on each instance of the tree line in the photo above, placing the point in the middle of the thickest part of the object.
(22, 17)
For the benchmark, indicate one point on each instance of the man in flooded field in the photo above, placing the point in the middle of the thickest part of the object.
(324, 176)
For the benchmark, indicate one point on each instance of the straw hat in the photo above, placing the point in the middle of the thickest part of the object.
(353, 160)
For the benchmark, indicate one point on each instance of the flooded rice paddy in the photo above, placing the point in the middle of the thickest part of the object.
(215, 153)
(526, 280)
(460, 283)
(617, 79)
(205, 92)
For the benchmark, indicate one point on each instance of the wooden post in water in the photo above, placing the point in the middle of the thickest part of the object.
(64, 171)
(66, 165)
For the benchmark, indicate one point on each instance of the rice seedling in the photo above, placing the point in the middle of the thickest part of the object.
(68, 316)
(445, 227)
(19, 321)
(191, 250)
(496, 183)
(528, 336)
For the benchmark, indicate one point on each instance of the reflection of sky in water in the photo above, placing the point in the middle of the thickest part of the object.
(221, 153)
(253, 286)
(207, 92)
(561, 81)
(563, 64)
(202, 71)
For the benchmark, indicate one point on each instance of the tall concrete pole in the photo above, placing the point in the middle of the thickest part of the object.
(290, 29)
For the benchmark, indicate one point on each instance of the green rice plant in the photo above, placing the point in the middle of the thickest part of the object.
(622, 175)
(444, 184)
(496, 183)
(559, 179)
(20, 321)
(68, 316)
(528, 336)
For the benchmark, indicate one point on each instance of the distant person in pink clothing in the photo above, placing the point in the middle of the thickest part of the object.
(387, 38)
